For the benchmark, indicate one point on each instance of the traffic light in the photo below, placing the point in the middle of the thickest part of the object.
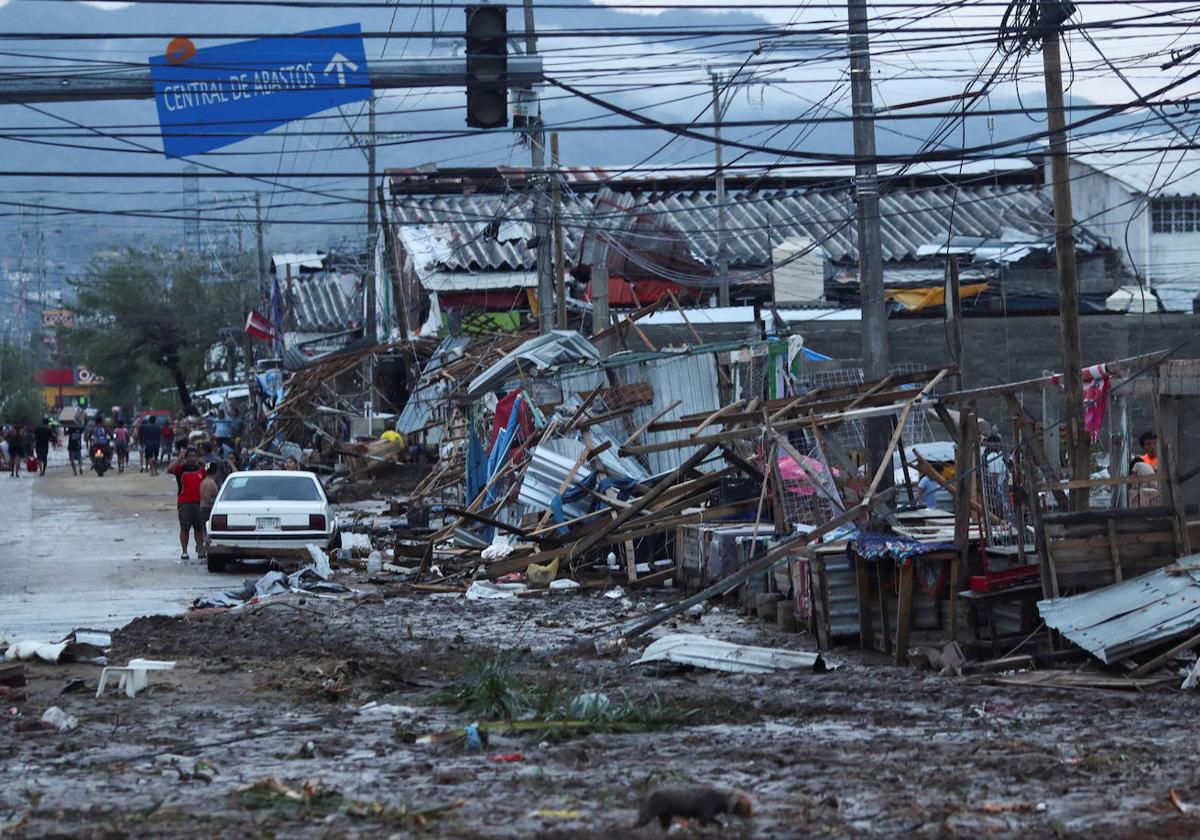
(487, 66)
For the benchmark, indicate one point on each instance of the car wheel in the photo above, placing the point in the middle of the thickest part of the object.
(216, 565)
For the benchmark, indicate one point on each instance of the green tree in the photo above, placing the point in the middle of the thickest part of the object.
(149, 318)
(20, 399)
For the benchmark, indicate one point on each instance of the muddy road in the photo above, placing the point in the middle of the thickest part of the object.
(267, 728)
(89, 551)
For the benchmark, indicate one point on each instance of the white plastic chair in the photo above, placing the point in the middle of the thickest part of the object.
(134, 676)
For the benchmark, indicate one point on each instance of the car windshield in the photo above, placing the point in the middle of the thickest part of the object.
(270, 488)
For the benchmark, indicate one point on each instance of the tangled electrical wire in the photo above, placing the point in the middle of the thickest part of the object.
(1027, 22)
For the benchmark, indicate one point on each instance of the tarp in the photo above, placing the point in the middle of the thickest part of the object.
(914, 300)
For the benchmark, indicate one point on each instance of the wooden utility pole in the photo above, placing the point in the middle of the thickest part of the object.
(372, 303)
(954, 319)
(560, 268)
(1068, 278)
(878, 430)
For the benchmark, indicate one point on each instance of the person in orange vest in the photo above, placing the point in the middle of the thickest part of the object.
(1149, 443)
(1145, 495)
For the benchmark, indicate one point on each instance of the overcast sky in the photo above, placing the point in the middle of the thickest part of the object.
(772, 87)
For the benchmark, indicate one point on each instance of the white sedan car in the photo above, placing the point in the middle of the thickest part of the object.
(266, 510)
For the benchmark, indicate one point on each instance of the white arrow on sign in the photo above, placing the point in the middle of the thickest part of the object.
(339, 62)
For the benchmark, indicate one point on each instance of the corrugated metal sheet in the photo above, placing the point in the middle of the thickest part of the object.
(427, 399)
(463, 233)
(551, 463)
(1122, 619)
(324, 302)
(690, 379)
(842, 596)
(557, 347)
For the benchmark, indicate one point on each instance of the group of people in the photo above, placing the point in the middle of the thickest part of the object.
(18, 443)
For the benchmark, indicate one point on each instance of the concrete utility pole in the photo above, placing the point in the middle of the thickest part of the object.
(870, 247)
(538, 181)
(371, 178)
(262, 252)
(1068, 278)
(719, 169)
(372, 317)
(560, 266)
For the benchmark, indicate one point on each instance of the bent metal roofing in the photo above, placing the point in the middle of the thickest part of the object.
(483, 232)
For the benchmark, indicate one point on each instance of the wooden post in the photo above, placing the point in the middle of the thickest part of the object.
(1068, 278)
(1166, 415)
(904, 610)
(954, 319)
(964, 463)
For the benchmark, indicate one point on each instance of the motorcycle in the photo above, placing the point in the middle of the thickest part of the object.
(99, 460)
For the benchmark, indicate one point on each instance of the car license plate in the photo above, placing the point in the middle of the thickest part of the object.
(266, 523)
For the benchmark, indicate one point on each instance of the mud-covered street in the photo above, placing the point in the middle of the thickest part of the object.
(89, 551)
(305, 716)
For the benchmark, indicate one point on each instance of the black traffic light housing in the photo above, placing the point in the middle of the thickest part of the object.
(487, 66)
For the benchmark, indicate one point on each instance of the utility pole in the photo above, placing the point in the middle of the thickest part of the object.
(262, 255)
(870, 248)
(1064, 252)
(560, 268)
(953, 302)
(722, 260)
(541, 222)
(371, 178)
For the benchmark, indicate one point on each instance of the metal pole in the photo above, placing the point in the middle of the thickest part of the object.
(870, 249)
(560, 268)
(722, 261)
(135, 82)
(1068, 280)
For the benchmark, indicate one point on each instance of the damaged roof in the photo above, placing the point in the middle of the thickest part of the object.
(470, 231)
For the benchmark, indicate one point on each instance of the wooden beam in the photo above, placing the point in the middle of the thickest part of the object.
(665, 484)
(641, 430)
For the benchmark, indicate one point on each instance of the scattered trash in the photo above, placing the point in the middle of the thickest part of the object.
(56, 718)
(320, 561)
(701, 652)
(564, 583)
(132, 677)
(590, 705)
(483, 590)
(557, 814)
(375, 562)
(506, 758)
(1181, 806)
(35, 649)
(615, 593)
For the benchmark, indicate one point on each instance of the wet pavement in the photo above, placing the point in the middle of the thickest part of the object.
(91, 551)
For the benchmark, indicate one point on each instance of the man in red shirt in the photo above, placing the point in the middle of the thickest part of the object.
(189, 473)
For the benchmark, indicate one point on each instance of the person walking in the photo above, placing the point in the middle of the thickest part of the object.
(42, 436)
(121, 440)
(16, 451)
(75, 449)
(189, 473)
(150, 435)
(209, 488)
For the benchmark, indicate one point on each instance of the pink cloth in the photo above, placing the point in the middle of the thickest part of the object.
(1095, 399)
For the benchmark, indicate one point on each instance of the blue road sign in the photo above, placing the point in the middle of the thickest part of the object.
(216, 96)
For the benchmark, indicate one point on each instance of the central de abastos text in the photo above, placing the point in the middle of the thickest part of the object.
(238, 87)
